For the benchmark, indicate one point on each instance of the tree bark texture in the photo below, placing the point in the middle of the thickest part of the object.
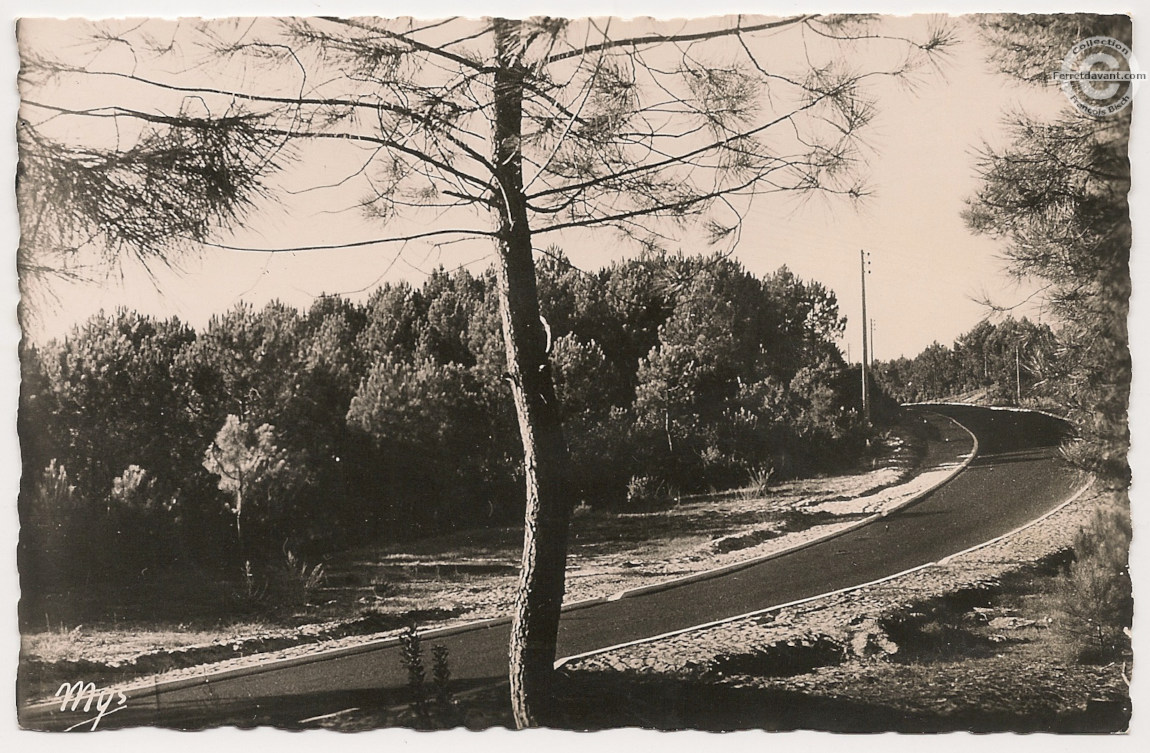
(539, 598)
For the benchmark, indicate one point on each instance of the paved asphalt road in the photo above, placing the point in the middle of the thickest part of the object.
(1015, 479)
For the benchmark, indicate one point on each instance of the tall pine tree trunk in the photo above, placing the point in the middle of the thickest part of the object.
(535, 624)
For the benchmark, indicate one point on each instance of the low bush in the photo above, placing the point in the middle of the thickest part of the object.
(436, 709)
(297, 582)
(758, 482)
(647, 491)
(1094, 602)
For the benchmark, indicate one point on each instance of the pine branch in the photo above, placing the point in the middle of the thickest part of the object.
(429, 124)
(354, 244)
(457, 59)
(683, 159)
(674, 38)
(114, 111)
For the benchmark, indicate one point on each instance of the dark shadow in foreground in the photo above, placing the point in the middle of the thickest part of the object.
(590, 701)
(594, 701)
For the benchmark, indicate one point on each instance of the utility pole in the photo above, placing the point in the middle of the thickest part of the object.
(1017, 377)
(872, 342)
(865, 366)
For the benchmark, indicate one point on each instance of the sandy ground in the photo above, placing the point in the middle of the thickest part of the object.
(1007, 668)
(471, 576)
(1024, 681)
(850, 617)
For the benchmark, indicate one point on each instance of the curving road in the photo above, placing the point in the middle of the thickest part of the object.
(1015, 478)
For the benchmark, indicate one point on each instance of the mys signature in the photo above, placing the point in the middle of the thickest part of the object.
(87, 693)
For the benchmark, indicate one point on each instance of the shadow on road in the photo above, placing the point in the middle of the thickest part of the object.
(1002, 431)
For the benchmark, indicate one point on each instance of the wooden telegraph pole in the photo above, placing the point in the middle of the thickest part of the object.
(865, 365)
(872, 342)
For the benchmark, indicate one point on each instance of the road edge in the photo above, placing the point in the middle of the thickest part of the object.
(743, 564)
(153, 688)
(1089, 484)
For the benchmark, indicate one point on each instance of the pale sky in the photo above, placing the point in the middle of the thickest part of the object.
(927, 269)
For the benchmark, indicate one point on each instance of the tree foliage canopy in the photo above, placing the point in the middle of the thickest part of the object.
(418, 438)
(1004, 363)
(501, 129)
(623, 125)
(1058, 196)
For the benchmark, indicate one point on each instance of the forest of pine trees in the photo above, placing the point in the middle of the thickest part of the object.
(148, 443)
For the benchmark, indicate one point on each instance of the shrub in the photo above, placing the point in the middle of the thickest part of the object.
(295, 582)
(439, 710)
(53, 517)
(581, 510)
(646, 491)
(252, 591)
(1094, 601)
(759, 481)
(441, 676)
(411, 654)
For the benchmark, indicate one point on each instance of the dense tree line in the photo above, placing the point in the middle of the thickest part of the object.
(1057, 196)
(272, 429)
(1007, 363)
(534, 126)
